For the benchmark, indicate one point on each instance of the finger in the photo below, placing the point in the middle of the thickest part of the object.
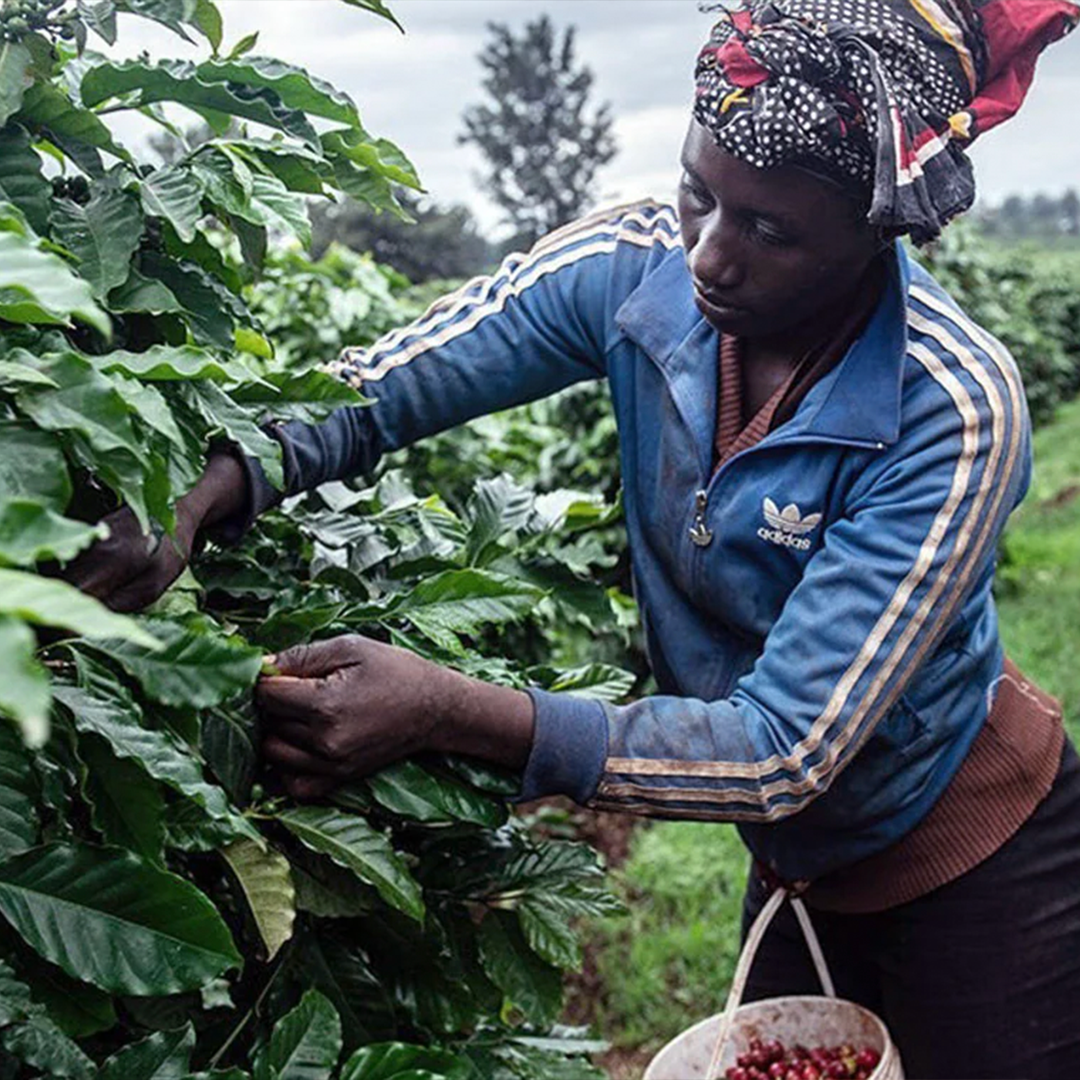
(147, 587)
(305, 736)
(288, 697)
(295, 759)
(308, 787)
(320, 658)
(111, 562)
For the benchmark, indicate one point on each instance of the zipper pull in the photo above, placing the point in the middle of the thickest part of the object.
(699, 533)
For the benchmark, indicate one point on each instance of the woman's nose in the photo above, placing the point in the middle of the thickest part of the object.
(714, 259)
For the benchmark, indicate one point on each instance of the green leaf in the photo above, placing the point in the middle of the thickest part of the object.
(229, 746)
(188, 84)
(305, 1043)
(32, 466)
(307, 387)
(332, 895)
(126, 805)
(379, 157)
(601, 682)
(48, 602)
(39, 1043)
(224, 1074)
(15, 77)
(352, 843)
(15, 1003)
(410, 790)
(172, 363)
(103, 706)
(191, 669)
(78, 1008)
(549, 932)
(495, 508)
(244, 45)
(114, 921)
(209, 309)
(176, 195)
(171, 13)
(226, 178)
(165, 1055)
(377, 7)
(293, 85)
(188, 827)
(462, 602)
(225, 416)
(14, 374)
(21, 180)
(297, 167)
(24, 683)
(274, 206)
(89, 404)
(99, 16)
(531, 985)
(30, 532)
(19, 825)
(264, 876)
(140, 293)
(336, 966)
(208, 22)
(38, 287)
(103, 235)
(49, 110)
(393, 1060)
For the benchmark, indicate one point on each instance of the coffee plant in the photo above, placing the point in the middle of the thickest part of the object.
(165, 911)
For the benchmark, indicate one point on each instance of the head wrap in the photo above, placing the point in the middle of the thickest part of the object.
(883, 95)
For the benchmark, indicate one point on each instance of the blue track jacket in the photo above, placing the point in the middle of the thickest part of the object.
(827, 649)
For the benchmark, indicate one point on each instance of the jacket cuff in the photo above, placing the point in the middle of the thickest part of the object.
(569, 748)
(260, 496)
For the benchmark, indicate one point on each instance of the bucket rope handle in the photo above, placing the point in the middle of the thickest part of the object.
(746, 959)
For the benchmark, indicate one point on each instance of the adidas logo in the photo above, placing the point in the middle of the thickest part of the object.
(788, 526)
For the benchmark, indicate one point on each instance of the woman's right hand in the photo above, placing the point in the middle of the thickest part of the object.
(129, 570)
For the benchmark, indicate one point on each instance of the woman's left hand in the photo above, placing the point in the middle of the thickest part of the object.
(344, 708)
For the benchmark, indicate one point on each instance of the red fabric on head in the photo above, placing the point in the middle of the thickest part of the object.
(740, 68)
(1016, 32)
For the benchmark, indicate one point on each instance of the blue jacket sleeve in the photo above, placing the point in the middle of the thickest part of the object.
(918, 534)
(541, 322)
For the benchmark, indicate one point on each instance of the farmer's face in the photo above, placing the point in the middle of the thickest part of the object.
(768, 249)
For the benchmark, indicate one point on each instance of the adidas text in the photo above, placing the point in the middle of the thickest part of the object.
(783, 539)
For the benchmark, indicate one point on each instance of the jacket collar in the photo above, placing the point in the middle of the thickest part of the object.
(858, 401)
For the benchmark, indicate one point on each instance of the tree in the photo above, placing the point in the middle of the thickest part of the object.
(439, 242)
(542, 144)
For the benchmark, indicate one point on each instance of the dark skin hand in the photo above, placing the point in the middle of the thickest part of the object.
(129, 570)
(350, 706)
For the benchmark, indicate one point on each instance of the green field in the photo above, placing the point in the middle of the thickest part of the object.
(1039, 575)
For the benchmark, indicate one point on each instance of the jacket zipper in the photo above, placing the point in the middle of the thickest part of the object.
(701, 536)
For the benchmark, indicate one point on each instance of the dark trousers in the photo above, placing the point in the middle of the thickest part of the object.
(979, 979)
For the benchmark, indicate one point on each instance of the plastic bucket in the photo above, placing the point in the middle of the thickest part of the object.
(812, 1021)
(706, 1050)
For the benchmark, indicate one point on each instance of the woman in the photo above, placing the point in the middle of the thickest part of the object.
(820, 452)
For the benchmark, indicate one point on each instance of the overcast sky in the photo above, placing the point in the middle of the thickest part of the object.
(413, 87)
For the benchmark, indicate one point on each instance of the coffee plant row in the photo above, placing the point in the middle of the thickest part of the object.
(164, 910)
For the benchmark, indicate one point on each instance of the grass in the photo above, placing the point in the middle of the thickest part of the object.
(668, 963)
(1039, 575)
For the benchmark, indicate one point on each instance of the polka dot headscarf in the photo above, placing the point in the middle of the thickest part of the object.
(882, 95)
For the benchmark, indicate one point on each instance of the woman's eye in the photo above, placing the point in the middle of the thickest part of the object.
(769, 234)
(693, 192)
